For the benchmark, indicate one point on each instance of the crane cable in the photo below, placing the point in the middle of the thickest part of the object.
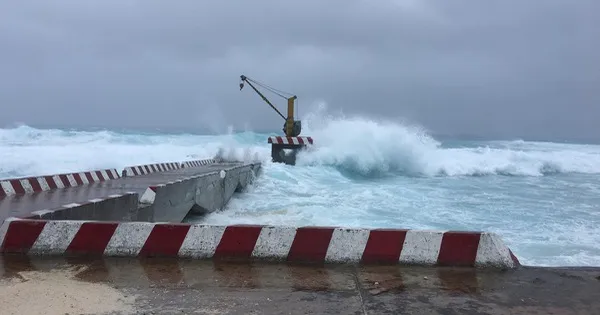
(272, 89)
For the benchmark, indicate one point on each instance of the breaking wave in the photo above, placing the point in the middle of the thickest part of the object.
(370, 148)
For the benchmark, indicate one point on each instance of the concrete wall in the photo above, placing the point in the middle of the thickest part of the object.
(249, 242)
(201, 194)
(111, 208)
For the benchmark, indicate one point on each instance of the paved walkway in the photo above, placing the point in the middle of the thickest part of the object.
(129, 286)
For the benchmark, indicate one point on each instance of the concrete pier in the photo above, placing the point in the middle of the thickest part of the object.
(164, 192)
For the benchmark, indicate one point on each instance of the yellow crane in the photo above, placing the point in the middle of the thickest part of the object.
(291, 127)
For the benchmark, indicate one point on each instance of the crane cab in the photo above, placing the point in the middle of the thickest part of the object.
(285, 149)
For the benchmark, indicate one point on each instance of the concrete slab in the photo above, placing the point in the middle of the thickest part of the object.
(165, 286)
(22, 205)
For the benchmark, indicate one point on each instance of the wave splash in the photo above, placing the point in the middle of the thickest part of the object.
(369, 148)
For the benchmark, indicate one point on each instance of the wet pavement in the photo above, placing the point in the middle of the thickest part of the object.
(31, 285)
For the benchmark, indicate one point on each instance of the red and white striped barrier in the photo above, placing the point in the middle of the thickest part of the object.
(291, 140)
(248, 242)
(150, 168)
(30, 185)
(198, 163)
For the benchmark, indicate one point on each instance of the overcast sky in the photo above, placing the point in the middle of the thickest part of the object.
(510, 68)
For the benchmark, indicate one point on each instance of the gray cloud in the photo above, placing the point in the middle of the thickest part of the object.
(496, 68)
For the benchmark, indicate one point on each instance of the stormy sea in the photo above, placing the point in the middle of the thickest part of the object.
(543, 198)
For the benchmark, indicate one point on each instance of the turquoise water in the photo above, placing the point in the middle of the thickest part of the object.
(543, 198)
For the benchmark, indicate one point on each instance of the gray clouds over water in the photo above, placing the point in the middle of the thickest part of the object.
(493, 68)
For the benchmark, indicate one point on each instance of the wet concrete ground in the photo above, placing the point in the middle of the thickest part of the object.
(160, 286)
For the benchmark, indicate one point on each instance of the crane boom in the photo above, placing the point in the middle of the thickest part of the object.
(291, 127)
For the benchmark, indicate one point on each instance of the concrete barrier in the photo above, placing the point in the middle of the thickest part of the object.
(198, 163)
(118, 207)
(249, 242)
(28, 185)
(145, 169)
(198, 194)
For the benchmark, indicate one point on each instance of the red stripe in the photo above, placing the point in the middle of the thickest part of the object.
(65, 180)
(92, 238)
(100, 176)
(300, 140)
(514, 258)
(89, 177)
(2, 192)
(279, 140)
(16, 184)
(238, 242)
(135, 171)
(146, 168)
(110, 174)
(21, 235)
(35, 184)
(310, 140)
(51, 182)
(310, 244)
(384, 246)
(153, 168)
(78, 179)
(458, 249)
(153, 188)
(165, 240)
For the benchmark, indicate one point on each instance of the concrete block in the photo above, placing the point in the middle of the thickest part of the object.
(332, 245)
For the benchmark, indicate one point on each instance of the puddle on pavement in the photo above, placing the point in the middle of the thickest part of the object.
(154, 272)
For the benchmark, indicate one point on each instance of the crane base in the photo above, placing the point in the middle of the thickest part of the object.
(285, 149)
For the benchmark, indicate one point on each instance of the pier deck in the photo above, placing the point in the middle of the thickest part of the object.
(22, 205)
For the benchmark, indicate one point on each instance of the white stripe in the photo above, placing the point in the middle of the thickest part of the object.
(95, 176)
(58, 181)
(140, 170)
(55, 237)
(421, 247)
(71, 205)
(162, 167)
(201, 241)
(274, 242)
(493, 251)
(347, 245)
(295, 140)
(72, 180)
(114, 173)
(8, 188)
(95, 200)
(104, 175)
(26, 186)
(43, 183)
(128, 239)
(84, 178)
